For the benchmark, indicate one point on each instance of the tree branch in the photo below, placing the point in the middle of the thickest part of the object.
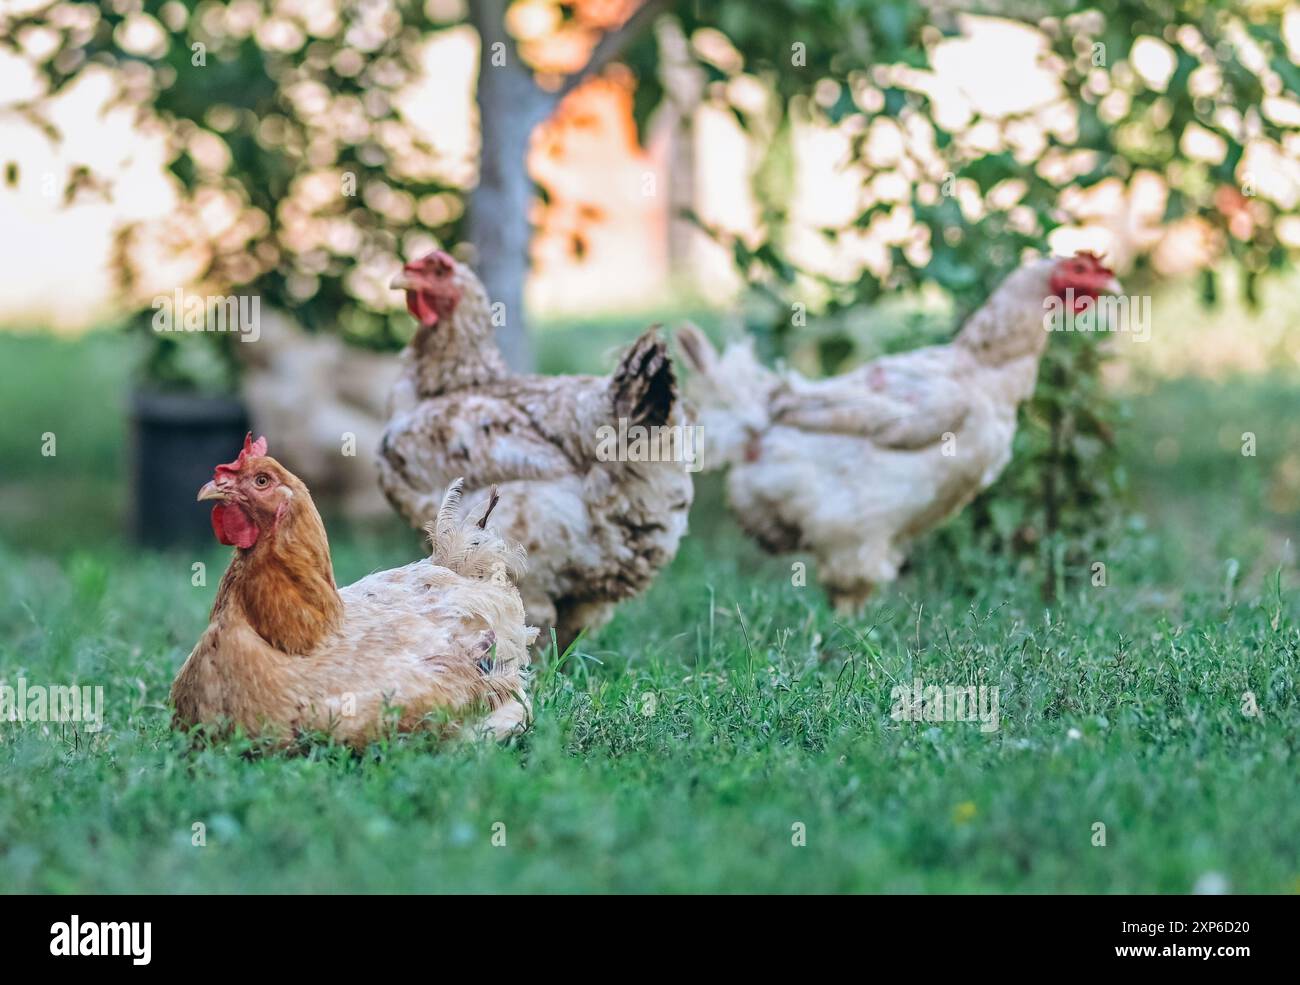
(611, 45)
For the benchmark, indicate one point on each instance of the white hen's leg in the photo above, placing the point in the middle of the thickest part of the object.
(850, 572)
(590, 616)
(850, 601)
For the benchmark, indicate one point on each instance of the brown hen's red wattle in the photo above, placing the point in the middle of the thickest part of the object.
(233, 526)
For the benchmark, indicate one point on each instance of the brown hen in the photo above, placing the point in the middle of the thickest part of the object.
(439, 642)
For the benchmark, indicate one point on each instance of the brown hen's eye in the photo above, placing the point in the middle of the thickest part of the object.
(262, 480)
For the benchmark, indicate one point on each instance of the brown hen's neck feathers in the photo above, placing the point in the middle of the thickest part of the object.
(459, 351)
(284, 584)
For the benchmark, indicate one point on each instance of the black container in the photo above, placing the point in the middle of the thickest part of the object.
(177, 440)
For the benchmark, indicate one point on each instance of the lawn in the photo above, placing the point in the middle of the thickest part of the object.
(726, 731)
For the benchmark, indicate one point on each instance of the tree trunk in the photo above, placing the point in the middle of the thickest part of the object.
(683, 83)
(510, 105)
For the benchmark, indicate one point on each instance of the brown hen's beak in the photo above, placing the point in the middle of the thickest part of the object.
(401, 282)
(211, 491)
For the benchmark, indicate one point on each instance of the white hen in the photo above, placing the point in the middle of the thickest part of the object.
(857, 467)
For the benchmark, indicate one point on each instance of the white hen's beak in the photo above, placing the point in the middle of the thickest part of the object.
(401, 282)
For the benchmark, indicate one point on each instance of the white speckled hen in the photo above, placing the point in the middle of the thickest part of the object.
(596, 529)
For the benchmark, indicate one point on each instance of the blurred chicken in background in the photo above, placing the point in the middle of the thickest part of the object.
(857, 467)
(326, 399)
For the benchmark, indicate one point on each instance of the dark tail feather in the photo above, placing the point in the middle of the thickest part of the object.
(644, 387)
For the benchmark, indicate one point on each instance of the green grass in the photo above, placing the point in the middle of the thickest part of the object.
(715, 713)
(76, 391)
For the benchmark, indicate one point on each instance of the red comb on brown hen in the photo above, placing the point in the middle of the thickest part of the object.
(251, 449)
